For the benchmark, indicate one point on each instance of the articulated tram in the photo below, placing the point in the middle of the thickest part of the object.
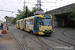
(17, 24)
(38, 24)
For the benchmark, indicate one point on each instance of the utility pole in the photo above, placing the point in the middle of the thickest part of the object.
(39, 5)
(24, 2)
(38, 12)
(26, 11)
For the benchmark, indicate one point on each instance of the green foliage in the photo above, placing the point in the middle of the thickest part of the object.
(20, 14)
(11, 20)
(71, 17)
(5, 17)
(14, 21)
(23, 14)
(35, 9)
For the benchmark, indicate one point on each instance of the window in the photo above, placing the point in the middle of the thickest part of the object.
(29, 22)
(46, 22)
(26, 21)
(20, 22)
(41, 23)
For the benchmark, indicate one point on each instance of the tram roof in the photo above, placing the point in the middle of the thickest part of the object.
(42, 16)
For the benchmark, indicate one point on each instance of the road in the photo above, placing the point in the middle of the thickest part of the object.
(61, 39)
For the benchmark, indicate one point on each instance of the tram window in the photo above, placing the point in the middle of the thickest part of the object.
(27, 21)
(41, 23)
(31, 21)
(20, 22)
(47, 22)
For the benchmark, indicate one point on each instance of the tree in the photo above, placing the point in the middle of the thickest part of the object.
(11, 20)
(34, 9)
(23, 14)
(14, 21)
(71, 17)
(19, 15)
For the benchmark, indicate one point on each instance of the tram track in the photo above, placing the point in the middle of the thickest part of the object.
(18, 42)
(43, 44)
(23, 41)
(23, 45)
(63, 40)
(40, 42)
(67, 36)
(56, 41)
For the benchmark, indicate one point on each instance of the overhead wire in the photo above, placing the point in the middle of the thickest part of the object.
(18, 4)
(7, 10)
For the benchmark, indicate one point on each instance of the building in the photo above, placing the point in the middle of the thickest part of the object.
(8, 19)
(1, 21)
(60, 16)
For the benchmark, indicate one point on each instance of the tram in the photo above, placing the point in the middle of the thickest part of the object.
(17, 24)
(38, 24)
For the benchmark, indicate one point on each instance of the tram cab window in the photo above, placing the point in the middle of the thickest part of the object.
(46, 22)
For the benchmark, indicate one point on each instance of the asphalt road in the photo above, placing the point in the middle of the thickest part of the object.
(61, 39)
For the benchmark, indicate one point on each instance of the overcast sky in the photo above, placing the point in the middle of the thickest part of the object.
(13, 5)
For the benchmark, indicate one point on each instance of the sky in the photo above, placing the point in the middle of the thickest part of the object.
(14, 5)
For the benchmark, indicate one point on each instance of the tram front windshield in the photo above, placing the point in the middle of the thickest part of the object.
(46, 22)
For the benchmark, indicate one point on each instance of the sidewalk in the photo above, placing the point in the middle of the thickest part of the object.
(9, 43)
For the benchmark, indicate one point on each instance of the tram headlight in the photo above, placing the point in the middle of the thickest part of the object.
(50, 30)
(45, 30)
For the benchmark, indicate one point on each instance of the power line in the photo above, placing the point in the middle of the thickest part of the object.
(7, 10)
(24, 2)
(18, 4)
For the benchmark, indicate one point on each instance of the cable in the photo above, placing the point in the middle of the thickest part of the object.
(18, 4)
(7, 11)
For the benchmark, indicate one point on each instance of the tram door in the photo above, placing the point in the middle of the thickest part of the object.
(36, 25)
(25, 25)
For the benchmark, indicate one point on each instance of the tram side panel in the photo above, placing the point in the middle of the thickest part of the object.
(17, 24)
(21, 24)
(29, 24)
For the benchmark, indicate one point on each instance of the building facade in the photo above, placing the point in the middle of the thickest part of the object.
(60, 15)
